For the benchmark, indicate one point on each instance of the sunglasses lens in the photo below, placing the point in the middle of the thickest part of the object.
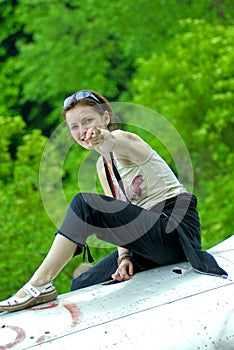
(67, 101)
(79, 96)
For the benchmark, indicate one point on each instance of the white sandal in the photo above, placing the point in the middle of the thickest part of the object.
(34, 296)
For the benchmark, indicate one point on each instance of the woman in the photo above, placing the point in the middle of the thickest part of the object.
(146, 212)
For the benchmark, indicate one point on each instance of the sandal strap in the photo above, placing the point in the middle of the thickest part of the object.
(31, 290)
(36, 291)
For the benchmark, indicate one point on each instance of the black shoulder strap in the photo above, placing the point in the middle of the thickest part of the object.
(117, 176)
(109, 178)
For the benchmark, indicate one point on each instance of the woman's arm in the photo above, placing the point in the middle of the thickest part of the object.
(128, 147)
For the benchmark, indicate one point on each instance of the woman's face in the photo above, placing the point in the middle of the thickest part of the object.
(82, 118)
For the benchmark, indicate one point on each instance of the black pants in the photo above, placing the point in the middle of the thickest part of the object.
(169, 233)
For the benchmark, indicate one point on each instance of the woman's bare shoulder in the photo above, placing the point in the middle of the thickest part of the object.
(130, 148)
(126, 135)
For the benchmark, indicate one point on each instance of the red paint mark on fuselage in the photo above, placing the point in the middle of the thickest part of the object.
(20, 336)
(74, 311)
(72, 308)
(50, 306)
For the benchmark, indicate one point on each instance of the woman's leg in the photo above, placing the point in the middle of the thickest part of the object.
(60, 253)
(98, 273)
(163, 239)
(87, 214)
(122, 224)
(111, 220)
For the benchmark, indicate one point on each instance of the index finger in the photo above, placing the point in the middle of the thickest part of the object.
(89, 133)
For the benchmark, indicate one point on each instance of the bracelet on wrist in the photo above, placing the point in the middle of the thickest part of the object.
(125, 256)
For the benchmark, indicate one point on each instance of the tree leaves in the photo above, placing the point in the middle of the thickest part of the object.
(191, 86)
(162, 54)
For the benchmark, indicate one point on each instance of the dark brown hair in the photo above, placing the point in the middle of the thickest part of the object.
(100, 108)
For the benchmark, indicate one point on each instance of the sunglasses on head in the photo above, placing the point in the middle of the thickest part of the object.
(79, 96)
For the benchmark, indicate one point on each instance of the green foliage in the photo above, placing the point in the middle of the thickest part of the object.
(192, 85)
(10, 130)
(10, 32)
(182, 67)
(21, 229)
(92, 46)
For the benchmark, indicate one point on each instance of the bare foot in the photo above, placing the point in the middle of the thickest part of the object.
(20, 294)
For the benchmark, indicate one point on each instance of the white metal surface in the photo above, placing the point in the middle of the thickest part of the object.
(160, 307)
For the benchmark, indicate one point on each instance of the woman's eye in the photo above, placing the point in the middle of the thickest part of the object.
(73, 127)
(88, 120)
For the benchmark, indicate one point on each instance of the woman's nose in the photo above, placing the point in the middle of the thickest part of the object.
(80, 132)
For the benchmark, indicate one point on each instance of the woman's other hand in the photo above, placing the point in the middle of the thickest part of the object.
(124, 271)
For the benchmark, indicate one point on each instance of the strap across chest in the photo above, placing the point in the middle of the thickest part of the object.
(117, 176)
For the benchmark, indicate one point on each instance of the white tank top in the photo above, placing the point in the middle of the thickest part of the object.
(148, 183)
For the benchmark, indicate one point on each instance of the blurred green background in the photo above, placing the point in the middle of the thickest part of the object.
(175, 57)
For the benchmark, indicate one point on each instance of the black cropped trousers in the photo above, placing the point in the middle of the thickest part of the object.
(166, 234)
